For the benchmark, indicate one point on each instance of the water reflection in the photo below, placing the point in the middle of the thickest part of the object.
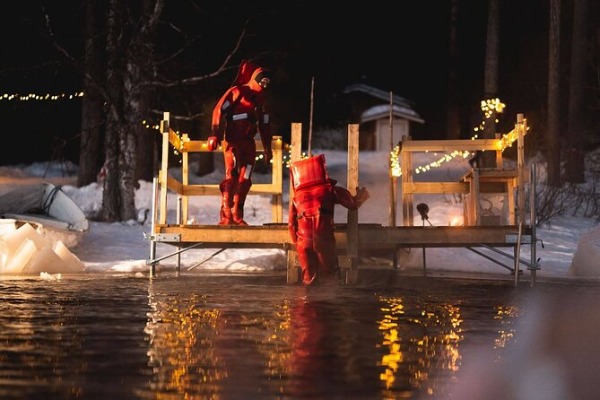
(419, 338)
(226, 337)
(293, 342)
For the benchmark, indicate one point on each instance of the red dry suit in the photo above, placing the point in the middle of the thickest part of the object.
(311, 217)
(236, 118)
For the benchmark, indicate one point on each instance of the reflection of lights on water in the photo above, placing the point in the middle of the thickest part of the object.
(181, 345)
(389, 327)
(184, 350)
(275, 332)
(436, 349)
(506, 315)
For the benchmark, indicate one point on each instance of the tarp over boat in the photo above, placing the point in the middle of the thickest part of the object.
(48, 209)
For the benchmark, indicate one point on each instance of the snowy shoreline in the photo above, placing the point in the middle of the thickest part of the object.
(123, 247)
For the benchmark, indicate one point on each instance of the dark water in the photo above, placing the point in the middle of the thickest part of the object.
(251, 336)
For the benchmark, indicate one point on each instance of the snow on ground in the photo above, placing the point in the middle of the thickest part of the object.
(123, 247)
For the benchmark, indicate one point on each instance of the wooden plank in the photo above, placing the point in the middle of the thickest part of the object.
(475, 197)
(435, 187)
(352, 218)
(450, 145)
(491, 174)
(213, 189)
(200, 146)
(174, 185)
(175, 141)
(295, 155)
(182, 188)
(276, 180)
(185, 173)
(370, 236)
(440, 236)
(406, 178)
(521, 128)
(164, 169)
(231, 236)
(293, 270)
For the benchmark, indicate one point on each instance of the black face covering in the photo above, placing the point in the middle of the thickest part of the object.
(263, 79)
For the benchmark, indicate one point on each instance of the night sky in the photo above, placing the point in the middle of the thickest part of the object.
(395, 46)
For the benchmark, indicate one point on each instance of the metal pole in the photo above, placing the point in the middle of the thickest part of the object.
(392, 178)
(518, 254)
(310, 120)
(153, 225)
(424, 259)
(532, 223)
(180, 222)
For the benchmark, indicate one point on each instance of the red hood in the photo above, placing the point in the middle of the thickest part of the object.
(244, 73)
(255, 78)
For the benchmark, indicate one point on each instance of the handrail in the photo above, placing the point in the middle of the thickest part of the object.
(181, 144)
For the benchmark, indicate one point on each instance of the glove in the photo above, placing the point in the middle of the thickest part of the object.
(268, 156)
(362, 194)
(212, 143)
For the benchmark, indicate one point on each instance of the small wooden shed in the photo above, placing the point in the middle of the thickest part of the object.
(371, 110)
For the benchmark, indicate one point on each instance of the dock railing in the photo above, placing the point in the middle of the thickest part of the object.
(474, 183)
(182, 145)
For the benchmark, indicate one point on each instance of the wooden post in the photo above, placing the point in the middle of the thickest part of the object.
(521, 128)
(407, 178)
(392, 211)
(295, 154)
(499, 160)
(185, 181)
(164, 169)
(277, 179)
(475, 197)
(352, 225)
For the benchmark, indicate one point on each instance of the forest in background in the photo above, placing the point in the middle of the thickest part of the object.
(135, 61)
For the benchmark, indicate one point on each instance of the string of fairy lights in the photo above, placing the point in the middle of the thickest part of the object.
(489, 108)
(75, 95)
(40, 97)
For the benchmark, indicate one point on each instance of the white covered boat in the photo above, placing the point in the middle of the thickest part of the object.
(48, 209)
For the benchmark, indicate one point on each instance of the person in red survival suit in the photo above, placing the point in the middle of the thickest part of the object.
(236, 118)
(310, 220)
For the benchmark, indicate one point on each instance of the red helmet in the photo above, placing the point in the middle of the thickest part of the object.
(309, 171)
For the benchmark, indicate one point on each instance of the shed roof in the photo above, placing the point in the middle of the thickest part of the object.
(383, 111)
(402, 107)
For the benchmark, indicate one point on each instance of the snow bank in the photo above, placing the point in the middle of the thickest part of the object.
(586, 260)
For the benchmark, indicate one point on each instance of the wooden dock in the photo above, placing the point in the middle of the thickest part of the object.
(353, 239)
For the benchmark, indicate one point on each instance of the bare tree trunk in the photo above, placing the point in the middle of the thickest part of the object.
(453, 101)
(111, 198)
(488, 158)
(553, 118)
(129, 47)
(90, 149)
(574, 156)
(142, 52)
(126, 92)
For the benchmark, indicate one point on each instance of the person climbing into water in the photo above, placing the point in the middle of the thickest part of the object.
(238, 115)
(311, 217)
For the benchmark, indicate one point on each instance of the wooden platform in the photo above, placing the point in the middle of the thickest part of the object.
(352, 239)
(371, 237)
